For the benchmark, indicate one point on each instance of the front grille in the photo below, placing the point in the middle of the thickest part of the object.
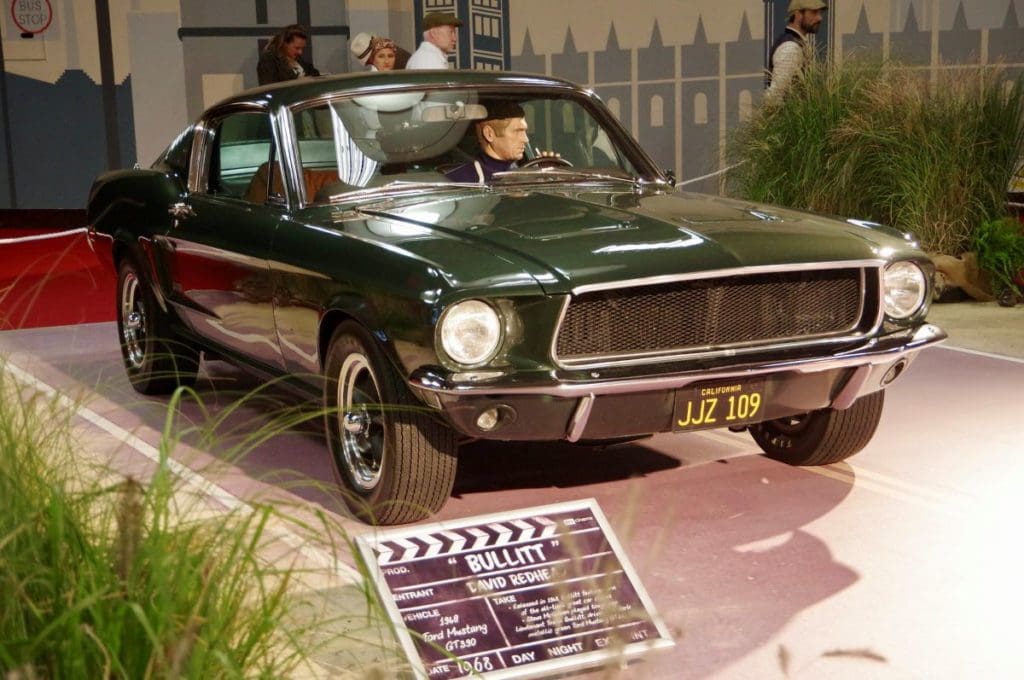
(707, 314)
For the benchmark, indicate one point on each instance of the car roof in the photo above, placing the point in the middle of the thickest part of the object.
(302, 89)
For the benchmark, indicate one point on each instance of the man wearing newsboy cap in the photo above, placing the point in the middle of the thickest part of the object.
(789, 50)
(440, 31)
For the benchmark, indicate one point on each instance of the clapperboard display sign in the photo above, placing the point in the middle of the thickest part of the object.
(513, 595)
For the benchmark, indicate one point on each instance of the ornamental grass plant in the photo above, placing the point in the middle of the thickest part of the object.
(98, 580)
(103, 576)
(882, 142)
(1000, 248)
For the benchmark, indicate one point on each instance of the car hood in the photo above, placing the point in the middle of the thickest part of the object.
(569, 239)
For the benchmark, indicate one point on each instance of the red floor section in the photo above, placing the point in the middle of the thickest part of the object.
(51, 281)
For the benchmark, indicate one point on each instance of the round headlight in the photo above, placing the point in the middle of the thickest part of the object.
(470, 332)
(905, 288)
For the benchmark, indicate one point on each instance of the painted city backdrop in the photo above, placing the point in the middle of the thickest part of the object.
(131, 73)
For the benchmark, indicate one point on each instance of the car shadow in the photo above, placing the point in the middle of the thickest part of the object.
(725, 553)
(492, 466)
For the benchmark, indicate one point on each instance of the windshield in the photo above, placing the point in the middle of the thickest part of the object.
(451, 136)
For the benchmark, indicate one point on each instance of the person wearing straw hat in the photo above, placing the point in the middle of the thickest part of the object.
(789, 51)
(440, 33)
(377, 52)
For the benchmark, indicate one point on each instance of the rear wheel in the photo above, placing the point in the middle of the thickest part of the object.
(396, 462)
(821, 437)
(156, 363)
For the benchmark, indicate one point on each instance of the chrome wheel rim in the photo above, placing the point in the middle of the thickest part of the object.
(360, 422)
(133, 322)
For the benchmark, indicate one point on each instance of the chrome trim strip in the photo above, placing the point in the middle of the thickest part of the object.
(579, 418)
(880, 317)
(878, 351)
(731, 271)
(641, 358)
(197, 163)
(287, 157)
(504, 85)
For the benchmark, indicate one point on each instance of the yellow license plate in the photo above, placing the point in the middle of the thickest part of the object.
(719, 405)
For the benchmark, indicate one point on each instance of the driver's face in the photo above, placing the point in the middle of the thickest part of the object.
(508, 142)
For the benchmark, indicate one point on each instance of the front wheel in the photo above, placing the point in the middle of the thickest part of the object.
(396, 462)
(155, 361)
(821, 437)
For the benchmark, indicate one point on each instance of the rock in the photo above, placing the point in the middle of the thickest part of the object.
(963, 272)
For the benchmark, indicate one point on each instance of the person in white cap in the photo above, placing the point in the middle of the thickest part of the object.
(377, 52)
(789, 49)
(440, 32)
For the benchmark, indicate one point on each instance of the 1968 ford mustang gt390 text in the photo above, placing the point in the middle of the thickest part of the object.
(311, 230)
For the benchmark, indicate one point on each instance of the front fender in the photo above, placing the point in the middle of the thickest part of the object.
(402, 327)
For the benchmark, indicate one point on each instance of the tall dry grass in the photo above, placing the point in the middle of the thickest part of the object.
(103, 576)
(881, 142)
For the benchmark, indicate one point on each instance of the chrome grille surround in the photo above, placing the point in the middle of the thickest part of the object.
(718, 313)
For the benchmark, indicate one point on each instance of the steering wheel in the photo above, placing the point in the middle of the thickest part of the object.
(545, 160)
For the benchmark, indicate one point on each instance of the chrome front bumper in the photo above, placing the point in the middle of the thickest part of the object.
(566, 409)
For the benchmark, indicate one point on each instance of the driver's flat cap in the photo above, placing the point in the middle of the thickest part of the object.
(499, 110)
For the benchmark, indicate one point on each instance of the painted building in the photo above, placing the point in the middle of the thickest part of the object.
(680, 75)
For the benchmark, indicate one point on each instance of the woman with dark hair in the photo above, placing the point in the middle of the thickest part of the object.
(282, 57)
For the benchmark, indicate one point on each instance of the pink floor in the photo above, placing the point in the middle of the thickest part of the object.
(903, 563)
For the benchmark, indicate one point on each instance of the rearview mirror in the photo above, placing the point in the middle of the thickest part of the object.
(440, 113)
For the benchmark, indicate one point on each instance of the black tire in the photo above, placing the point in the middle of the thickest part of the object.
(821, 437)
(395, 461)
(155, 361)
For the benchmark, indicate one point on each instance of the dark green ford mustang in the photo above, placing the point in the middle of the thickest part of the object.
(309, 230)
